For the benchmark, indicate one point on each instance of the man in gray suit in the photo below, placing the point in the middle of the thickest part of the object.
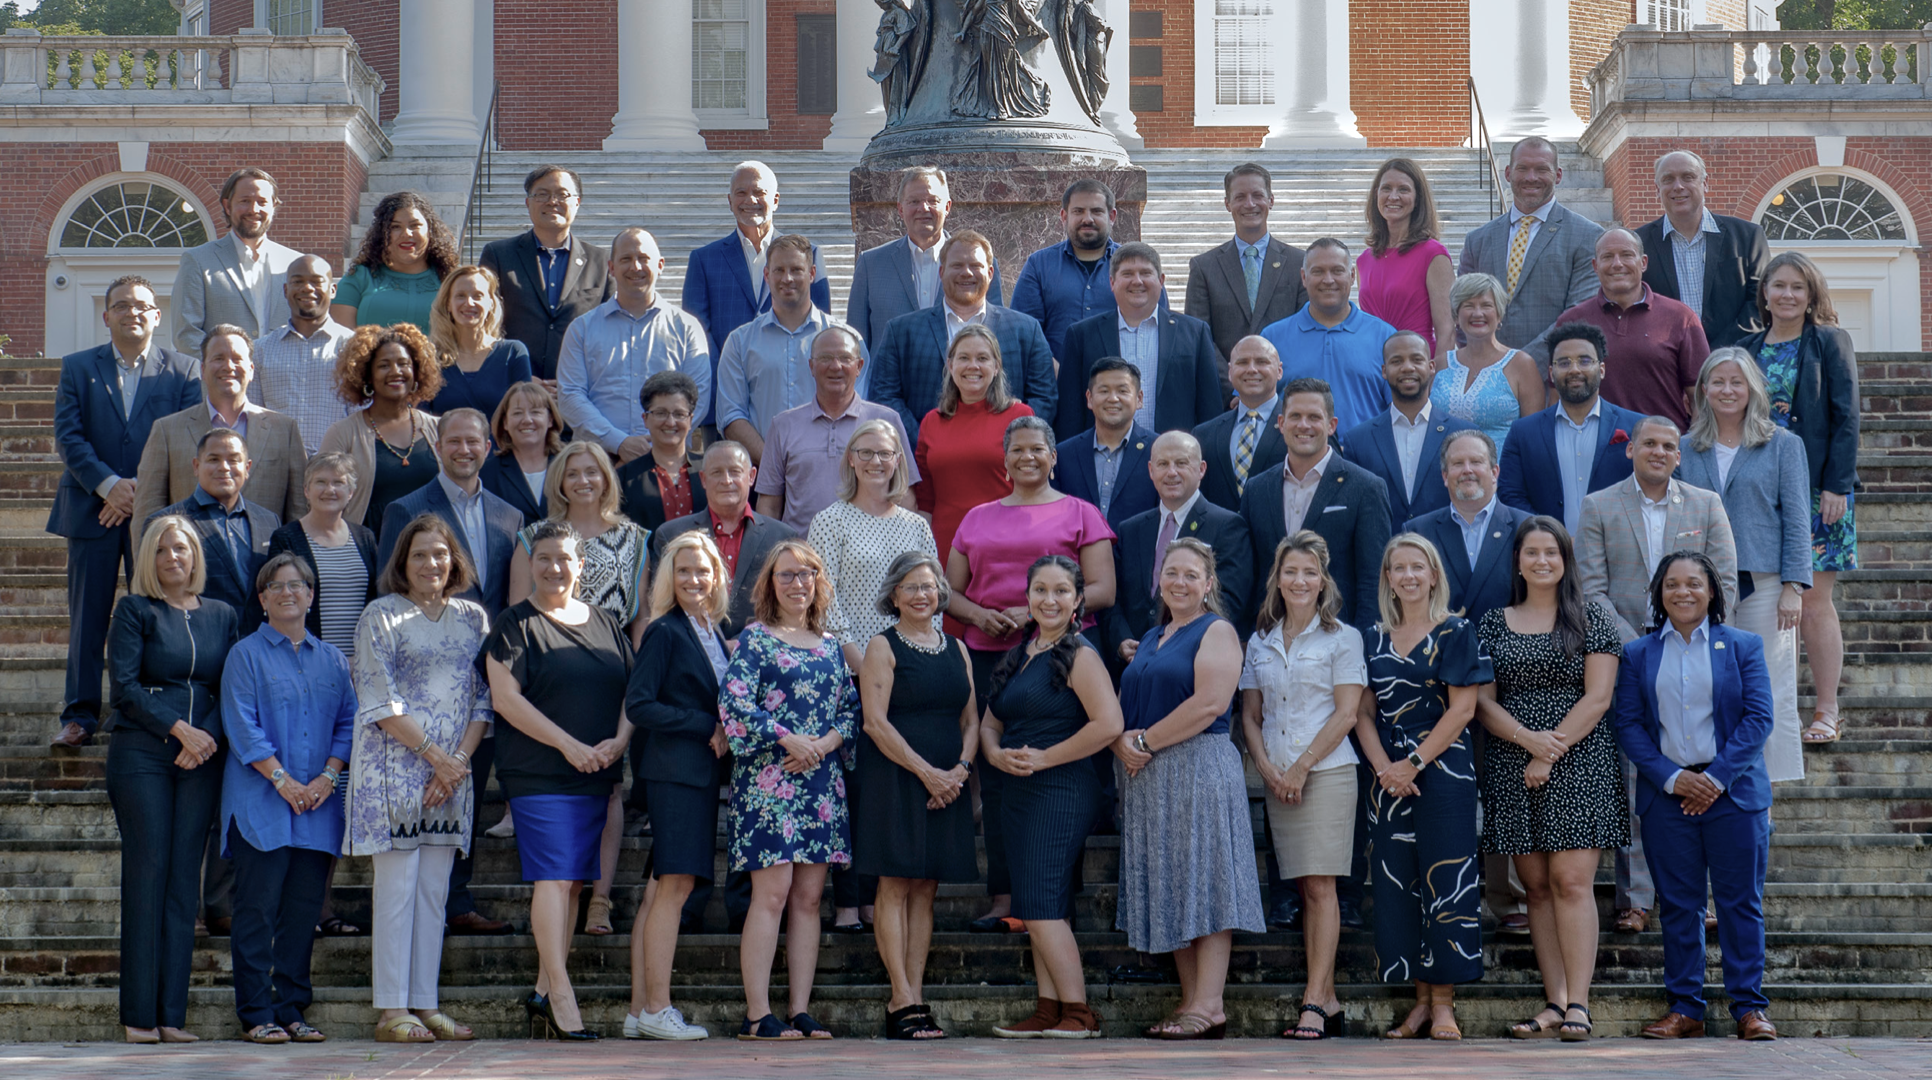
(236, 280)
(1539, 250)
(1251, 281)
(901, 276)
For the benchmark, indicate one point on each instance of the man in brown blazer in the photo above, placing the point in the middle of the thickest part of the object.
(1252, 280)
(166, 474)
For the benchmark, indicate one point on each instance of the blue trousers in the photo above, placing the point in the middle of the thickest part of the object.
(278, 897)
(1727, 848)
(94, 569)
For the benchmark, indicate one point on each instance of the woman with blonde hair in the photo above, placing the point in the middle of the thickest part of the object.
(466, 325)
(1405, 275)
(960, 450)
(1485, 382)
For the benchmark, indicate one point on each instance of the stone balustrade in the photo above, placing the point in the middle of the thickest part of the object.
(1646, 64)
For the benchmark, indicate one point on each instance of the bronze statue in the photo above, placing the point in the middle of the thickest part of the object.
(1082, 38)
(904, 45)
(995, 82)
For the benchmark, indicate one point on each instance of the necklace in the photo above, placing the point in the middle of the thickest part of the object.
(933, 650)
(402, 455)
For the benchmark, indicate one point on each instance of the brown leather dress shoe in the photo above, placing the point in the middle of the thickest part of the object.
(220, 925)
(72, 737)
(1754, 1026)
(1516, 925)
(1632, 920)
(475, 922)
(1676, 1026)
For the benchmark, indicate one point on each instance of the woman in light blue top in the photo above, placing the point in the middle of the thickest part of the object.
(1485, 382)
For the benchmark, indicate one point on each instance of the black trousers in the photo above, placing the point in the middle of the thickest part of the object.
(999, 881)
(163, 813)
(278, 897)
(460, 901)
(94, 569)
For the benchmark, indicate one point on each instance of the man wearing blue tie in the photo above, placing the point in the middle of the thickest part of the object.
(1693, 710)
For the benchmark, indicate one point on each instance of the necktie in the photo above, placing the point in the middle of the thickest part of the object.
(1244, 451)
(1251, 272)
(1169, 527)
(1518, 247)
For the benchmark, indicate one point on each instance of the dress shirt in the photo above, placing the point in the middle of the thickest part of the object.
(130, 374)
(954, 324)
(1653, 512)
(803, 449)
(469, 514)
(1265, 413)
(1576, 455)
(254, 274)
(1140, 345)
(925, 270)
(1688, 255)
(730, 543)
(553, 265)
(1177, 518)
(233, 525)
(1347, 356)
(1106, 467)
(708, 638)
(1474, 528)
(1409, 437)
(292, 701)
(1297, 681)
(240, 425)
(606, 356)
(1541, 213)
(1686, 732)
(295, 376)
(1059, 288)
(764, 369)
(1256, 255)
(755, 256)
(1297, 495)
(1657, 349)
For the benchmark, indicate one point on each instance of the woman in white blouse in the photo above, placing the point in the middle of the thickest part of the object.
(1299, 690)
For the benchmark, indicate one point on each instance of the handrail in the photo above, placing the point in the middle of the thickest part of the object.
(479, 182)
(1491, 178)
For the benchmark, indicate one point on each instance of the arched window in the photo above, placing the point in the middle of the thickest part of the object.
(1831, 206)
(134, 214)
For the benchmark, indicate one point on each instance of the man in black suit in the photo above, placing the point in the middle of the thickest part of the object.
(1244, 441)
(1711, 263)
(1179, 369)
(486, 525)
(1251, 281)
(1402, 442)
(1107, 463)
(547, 276)
(1314, 488)
(743, 537)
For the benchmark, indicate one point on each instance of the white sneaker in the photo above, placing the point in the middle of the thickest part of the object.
(502, 830)
(668, 1024)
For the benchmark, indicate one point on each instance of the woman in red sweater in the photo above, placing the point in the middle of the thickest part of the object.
(962, 460)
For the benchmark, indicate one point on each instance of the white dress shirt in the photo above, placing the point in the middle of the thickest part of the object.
(1542, 214)
(1654, 513)
(755, 255)
(255, 276)
(925, 270)
(1409, 437)
(954, 323)
(1297, 681)
(1298, 495)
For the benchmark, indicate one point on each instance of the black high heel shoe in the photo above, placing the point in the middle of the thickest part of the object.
(552, 1031)
(533, 1007)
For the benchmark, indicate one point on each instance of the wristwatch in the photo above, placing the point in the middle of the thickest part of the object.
(967, 765)
(275, 778)
(1415, 759)
(1140, 742)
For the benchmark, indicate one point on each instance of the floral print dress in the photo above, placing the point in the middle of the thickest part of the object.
(1834, 546)
(772, 689)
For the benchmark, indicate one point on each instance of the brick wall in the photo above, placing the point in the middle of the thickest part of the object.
(1402, 92)
(786, 129)
(1174, 124)
(374, 24)
(1594, 25)
(228, 16)
(530, 53)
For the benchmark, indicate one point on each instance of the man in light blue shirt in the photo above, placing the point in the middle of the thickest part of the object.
(1333, 340)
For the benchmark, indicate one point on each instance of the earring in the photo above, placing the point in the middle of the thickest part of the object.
(368, 391)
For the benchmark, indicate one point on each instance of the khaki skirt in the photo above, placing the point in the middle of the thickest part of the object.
(1316, 837)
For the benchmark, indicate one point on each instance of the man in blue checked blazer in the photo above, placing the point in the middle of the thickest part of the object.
(1403, 443)
(721, 288)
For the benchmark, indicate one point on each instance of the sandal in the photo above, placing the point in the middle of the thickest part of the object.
(929, 1028)
(1303, 1032)
(447, 1030)
(1532, 1028)
(267, 1035)
(337, 926)
(1190, 1026)
(904, 1024)
(597, 916)
(404, 1029)
(810, 1028)
(1823, 729)
(301, 1032)
(1403, 1030)
(1576, 1030)
(767, 1029)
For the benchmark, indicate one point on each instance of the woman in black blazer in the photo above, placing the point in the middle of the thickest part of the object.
(1811, 372)
(676, 755)
(669, 399)
(527, 431)
(323, 538)
(165, 649)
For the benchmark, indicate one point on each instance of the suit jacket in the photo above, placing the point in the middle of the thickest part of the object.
(294, 539)
(1530, 480)
(527, 314)
(1734, 259)
(208, 292)
(1556, 274)
(1216, 437)
(1187, 381)
(718, 290)
(1767, 500)
(673, 700)
(1217, 294)
(1611, 550)
(501, 521)
(1475, 592)
(1741, 715)
(909, 366)
(1350, 511)
(1075, 474)
(275, 451)
(883, 289)
(96, 439)
(641, 499)
(1824, 405)
(1136, 610)
(231, 584)
(502, 477)
(766, 532)
(1372, 446)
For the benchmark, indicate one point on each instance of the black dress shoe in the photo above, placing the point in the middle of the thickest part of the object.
(1352, 915)
(1285, 914)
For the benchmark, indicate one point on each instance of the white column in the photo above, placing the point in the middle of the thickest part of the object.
(1519, 56)
(1312, 81)
(438, 97)
(861, 112)
(1116, 111)
(654, 78)
(483, 63)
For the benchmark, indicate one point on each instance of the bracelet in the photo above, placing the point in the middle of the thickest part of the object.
(278, 778)
(462, 756)
(1140, 742)
(1514, 736)
(332, 776)
(967, 765)
(419, 751)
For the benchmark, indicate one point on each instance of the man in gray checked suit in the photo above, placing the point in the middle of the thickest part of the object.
(1218, 292)
(1553, 248)
(901, 276)
(236, 280)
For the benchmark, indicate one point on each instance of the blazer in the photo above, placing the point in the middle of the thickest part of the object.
(1530, 480)
(718, 290)
(883, 289)
(501, 521)
(208, 292)
(1476, 592)
(766, 532)
(1074, 473)
(231, 584)
(1740, 714)
(909, 366)
(294, 539)
(1187, 381)
(639, 496)
(1350, 511)
(1136, 609)
(1610, 547)
(276, 457)
(150, 666)
(1825, 405)
(527, 314)
(1216, 436)
(1372, 446)
(673, 700)
(502, 478)
(1767, 500)
(353, 436)
(1217, 294)
(1555, 277)
(96, 439)
(1734, 259)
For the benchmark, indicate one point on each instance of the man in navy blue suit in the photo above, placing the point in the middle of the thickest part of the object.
(1553, 458)
(485, 524)
(1180, 373)
(902, 276)
(1402, 443)
(1693, 711)
(234, 532)
(724, 281)
(109, 398)
(1107, 463)
(1244, 441)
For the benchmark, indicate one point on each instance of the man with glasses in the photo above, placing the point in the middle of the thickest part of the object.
(547, 276)
(744, 538)
(800, 472)
(1553, 458)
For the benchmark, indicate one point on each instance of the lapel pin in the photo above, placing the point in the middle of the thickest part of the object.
(1676, 500)
(1140, 446)
(1277, 264)
(1496, 535)
(1193, 526)
(1717, 644)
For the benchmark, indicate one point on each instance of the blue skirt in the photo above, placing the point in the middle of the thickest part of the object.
(558, 836)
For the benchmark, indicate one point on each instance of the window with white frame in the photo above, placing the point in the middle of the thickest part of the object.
(134, 214)
(1670, 15)
(1832, 206)
(721, 55)
(1243, 56)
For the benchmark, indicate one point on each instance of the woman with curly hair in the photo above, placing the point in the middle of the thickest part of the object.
(390, 370)
(404, 257)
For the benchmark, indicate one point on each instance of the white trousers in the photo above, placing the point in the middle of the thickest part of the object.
(1784, 752)
(411, 888)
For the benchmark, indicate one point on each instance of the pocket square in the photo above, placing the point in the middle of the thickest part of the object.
(1690, 532)
(1332, 509)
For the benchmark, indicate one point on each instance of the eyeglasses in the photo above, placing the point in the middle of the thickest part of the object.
(276, 588)
(1582, 364)
(796, 577)
(872, 456)
(669, 416)
(927, 589)
(544, 197)
(131, 306)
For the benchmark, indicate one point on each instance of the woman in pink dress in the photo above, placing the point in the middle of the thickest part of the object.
(1405, 274)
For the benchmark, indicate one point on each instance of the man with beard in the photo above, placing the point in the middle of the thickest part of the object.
(1401, 443)
(295, 362)
(235, 280)
(1071, 280)
(1553, 458)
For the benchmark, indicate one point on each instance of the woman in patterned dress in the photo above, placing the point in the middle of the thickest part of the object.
(1485, 382)
(788, 705)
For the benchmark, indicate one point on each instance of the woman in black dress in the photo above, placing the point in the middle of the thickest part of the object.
(558, 670)
(1553, 794)
(384, 374)
(910, 827)
(1051, 708)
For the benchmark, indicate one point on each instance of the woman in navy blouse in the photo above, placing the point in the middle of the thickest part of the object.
(479, 363)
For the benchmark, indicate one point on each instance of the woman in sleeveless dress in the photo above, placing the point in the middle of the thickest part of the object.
(1485, 382)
